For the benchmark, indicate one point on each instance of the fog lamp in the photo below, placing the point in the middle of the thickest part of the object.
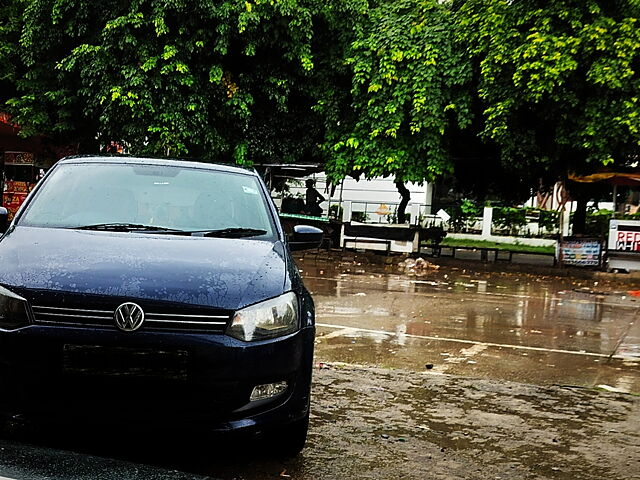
(268, 390)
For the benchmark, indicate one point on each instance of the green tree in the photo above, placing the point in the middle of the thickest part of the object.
(409, 89)
(504, 92)
(218, 79)
(10, 13)
(558, 82)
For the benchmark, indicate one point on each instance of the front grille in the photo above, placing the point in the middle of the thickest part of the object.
(46, 315)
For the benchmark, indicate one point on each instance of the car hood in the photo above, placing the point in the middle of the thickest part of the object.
(212, 272)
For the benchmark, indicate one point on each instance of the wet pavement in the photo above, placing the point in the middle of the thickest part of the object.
(520, 327)
(420, 373)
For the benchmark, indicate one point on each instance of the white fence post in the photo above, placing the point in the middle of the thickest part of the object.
(346, 211)
(487, 218)
(414, 210)
(565, 219)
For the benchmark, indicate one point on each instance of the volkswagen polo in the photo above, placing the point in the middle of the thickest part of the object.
(165, 287)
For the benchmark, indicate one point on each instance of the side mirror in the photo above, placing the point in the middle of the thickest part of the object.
(4, 219)
(305, 237)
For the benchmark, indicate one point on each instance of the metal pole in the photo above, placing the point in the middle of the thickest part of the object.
(340, 201)
(327, 189)
(615, 197)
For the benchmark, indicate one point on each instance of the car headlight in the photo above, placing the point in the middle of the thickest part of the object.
(13, 310)
(268, 319)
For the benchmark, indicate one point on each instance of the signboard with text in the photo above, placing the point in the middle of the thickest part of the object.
(624, 236)
(12, 202)
(581, 252)
(19, 158)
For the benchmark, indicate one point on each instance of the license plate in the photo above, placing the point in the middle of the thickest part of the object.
(124, 361)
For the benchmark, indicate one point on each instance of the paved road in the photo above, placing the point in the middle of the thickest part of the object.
(516, 327)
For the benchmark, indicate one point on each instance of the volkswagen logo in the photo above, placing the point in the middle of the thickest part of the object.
(129, 317)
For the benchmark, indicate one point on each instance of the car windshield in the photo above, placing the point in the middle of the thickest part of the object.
(151, 198)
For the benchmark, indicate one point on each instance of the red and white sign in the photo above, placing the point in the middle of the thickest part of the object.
(624, 235)
(628, 241)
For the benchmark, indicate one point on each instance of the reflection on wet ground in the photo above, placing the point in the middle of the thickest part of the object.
(527, 328)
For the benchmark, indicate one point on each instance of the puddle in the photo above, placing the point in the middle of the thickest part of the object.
(534, 329)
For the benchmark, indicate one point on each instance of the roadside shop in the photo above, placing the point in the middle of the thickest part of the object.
(23, 161)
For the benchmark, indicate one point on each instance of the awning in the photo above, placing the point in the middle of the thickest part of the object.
(612, 178)
(291, 169)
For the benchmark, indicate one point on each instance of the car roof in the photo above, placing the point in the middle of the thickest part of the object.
(158, 161)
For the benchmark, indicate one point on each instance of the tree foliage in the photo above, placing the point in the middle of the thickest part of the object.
(409, 85)
(10, 14)
(504, 91)
(200, 77)
(558, 82)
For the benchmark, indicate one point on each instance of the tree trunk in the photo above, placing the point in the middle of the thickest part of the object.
(406, 196)
(580, 216)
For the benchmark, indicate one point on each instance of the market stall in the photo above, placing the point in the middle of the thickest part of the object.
(20, 176)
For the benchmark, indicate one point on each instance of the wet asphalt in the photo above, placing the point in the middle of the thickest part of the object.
(421, 372)
(521, 327)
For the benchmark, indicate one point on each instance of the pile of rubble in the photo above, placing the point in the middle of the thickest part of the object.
(417, 266)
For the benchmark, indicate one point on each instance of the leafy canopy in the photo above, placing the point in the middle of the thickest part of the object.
(409, 82)
(558, 82)
(521, 89)
(200, 77)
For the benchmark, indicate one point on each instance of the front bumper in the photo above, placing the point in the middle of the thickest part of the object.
(184, 380)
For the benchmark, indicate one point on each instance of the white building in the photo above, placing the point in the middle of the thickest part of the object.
(375, 200)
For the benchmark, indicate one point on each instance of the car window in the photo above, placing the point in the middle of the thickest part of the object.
(173, 197)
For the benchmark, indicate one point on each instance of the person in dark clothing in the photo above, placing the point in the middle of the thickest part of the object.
(313, 200)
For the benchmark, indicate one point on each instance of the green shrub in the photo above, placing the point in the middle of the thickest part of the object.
(548, 220)
(464, 215)
(510, 219)
(335, 211)
(597, 223)
(359, 217)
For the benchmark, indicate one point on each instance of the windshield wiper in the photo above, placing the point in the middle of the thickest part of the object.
(234, 232)
(128, 227)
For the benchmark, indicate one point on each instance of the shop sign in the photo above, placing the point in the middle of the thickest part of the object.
(581, 252)
(627, 241)
(13, 186)
(624, 235)
(12, 202)
(18, 158)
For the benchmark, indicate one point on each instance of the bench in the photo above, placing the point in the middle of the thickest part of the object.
(357, 240)
(485, 252)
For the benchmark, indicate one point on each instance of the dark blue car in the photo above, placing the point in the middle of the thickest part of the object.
(156, 289)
